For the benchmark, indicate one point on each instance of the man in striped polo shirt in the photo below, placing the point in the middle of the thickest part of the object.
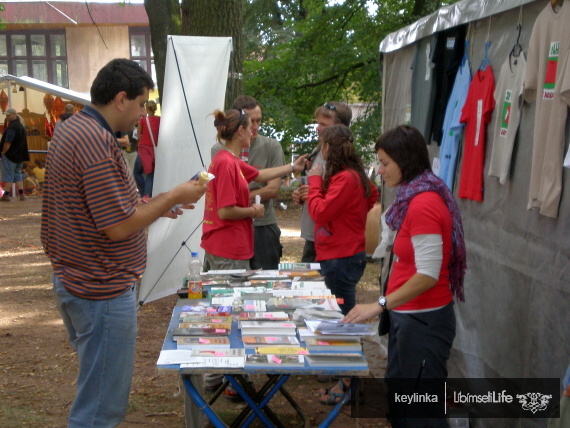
(92, 230)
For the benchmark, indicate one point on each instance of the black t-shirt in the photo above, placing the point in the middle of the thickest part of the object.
(16, 135)
(449, 50)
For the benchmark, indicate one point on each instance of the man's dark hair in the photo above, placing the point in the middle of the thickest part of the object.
(119, 75)
(245, 102)
(407, 147)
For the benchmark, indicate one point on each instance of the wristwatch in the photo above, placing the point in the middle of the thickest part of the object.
(382, 302)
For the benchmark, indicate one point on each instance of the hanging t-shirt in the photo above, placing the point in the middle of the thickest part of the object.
(548, 83)
(476, 115)
(423, 86)
(452, 127)
(447, 59)
(509, 100)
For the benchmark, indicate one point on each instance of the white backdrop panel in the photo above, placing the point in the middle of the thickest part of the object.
(194, 86)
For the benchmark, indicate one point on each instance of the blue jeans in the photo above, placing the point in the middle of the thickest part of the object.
(138, 173)
(103, 332)
(342, 275)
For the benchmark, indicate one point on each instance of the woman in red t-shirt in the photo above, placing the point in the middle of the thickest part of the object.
(148, 139)
(428, 269)
(227, 230)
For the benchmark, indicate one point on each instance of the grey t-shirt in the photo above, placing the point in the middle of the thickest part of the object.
(264, 152)
(307, 223)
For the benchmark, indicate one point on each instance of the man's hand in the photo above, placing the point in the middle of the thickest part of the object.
(258, 210)
(189, 192)
(303, 192)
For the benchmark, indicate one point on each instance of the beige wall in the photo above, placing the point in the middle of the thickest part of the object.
(86, 52)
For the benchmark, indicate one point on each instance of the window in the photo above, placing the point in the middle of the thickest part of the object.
(141, 49)
(40, 54)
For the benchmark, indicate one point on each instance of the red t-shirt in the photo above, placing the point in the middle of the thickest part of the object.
(427, 215)
(339, 214)
(476, 114)
(232, 239)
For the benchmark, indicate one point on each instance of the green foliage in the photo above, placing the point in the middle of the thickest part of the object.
(302, 53)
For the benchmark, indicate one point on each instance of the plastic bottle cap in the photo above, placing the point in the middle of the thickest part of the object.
(194, 254)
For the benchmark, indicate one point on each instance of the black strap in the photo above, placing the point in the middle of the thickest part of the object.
(384, 286)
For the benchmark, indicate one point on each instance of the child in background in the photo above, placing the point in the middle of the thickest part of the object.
(39, 173)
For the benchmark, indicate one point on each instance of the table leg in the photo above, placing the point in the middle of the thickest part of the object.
(338, 406)
(194, 405)
(255, 407)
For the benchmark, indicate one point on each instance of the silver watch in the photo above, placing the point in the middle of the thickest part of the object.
(382, 302)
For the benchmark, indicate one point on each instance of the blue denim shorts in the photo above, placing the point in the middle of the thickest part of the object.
(11, 172)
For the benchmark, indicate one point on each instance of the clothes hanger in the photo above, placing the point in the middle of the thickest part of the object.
(556, 4)
(485, 63)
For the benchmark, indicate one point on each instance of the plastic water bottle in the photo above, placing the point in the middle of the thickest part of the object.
(194, 279)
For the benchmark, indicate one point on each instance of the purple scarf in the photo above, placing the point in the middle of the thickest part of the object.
(428, 182)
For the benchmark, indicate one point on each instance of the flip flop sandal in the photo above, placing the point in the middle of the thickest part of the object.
(332, 397)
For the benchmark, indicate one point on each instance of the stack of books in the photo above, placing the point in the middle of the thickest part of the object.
(268, 333)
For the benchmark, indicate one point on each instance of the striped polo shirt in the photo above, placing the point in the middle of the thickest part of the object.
(87, 189)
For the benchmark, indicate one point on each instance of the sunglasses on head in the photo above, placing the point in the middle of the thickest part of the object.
(329, 106)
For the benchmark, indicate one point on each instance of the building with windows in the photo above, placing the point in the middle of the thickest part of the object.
(66, 43)
(63, 44)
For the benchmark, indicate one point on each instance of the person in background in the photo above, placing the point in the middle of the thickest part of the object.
(263, 152)
(330, 113)
(14, 152)
(68, 111)
(340, 215)
(95, 239)
(429, 264)
(147, 132)
(39, 173)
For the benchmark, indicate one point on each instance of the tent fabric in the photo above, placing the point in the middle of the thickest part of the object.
(194, 86)
(450, 16)
(514, 322)
(48, 88)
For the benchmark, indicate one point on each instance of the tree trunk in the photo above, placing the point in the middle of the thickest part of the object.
(164, 20)
(218, 18)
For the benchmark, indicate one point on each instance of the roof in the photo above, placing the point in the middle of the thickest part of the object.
(57, 14)
(446, 17)
(48, 88)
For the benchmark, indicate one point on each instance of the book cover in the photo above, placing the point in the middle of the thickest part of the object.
(331, 327)
(181, 332)
(226, 326)
(279, 350)
(336, 360)
(299, 266)
(267, 324)
(299, 292)
(256, 341)
(342, 345)
(268, 332)
(205, 318)
(218, 352)
(193, 342)
(259, 316)
(292, 303)
(272, 360)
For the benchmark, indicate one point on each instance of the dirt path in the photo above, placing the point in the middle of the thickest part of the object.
(38, 365)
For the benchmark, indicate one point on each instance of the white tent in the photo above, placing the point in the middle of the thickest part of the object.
(194, 86)
(515, 321)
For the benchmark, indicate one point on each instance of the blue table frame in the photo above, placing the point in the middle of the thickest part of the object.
(257, 401)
